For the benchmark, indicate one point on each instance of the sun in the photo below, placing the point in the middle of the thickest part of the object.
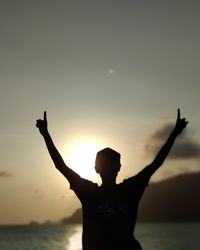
(81, 158)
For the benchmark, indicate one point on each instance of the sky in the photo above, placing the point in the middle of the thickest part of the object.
(108, 73)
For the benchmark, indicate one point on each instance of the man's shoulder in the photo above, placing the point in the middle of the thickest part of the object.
(128, 180)
(83, 184)
(88, 183)
(137, 181)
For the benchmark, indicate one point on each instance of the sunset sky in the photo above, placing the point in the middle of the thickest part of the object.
(109, 73)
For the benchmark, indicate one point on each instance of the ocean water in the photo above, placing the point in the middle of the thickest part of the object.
(153, 236)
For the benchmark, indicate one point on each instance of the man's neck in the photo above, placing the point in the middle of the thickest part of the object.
(108, 184)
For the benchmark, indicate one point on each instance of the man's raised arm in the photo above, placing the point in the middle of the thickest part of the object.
(181, 123)
(55, 155)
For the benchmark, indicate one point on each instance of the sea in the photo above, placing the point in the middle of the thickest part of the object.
(152, 236)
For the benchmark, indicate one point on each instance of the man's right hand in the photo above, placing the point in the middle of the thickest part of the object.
(42, 124)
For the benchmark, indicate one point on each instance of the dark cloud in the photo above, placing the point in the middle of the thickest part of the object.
(185, 146)
(5, 174)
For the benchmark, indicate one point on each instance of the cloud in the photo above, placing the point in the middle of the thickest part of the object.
(63, 197)
(37, 195)
(5, 174)
(185, 146)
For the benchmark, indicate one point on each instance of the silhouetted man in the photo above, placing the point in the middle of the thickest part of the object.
(109, 210)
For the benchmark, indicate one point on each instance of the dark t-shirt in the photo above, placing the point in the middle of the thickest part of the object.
(109, 215)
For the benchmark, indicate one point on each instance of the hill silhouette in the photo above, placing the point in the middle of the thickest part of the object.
(175, 199)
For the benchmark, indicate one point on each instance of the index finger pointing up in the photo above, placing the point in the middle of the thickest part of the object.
(45, 116)
(178, 114)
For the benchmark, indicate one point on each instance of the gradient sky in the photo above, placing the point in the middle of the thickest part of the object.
(110, 72)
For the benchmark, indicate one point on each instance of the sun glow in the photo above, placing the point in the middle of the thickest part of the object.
(81, 158)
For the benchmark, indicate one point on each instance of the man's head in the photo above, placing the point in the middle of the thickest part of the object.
(107, 163)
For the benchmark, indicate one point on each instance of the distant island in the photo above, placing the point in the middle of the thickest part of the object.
(176, 199)
(36, 223)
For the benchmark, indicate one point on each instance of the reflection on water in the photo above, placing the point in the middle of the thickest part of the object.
(75, 241)
(153, 236)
